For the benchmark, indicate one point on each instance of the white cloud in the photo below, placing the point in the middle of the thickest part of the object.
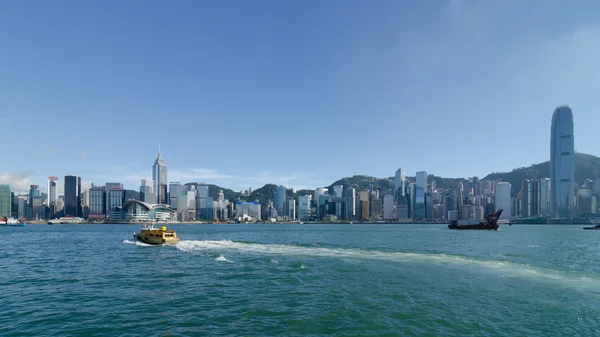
(19, 181)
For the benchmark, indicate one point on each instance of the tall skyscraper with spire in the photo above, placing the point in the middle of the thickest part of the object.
(562, 163)
(159, 175)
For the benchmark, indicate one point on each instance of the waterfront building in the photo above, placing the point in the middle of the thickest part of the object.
(85, 203)
(190, 199)
(136, 210)
(60, 206)
(34, 191)
(545, 197)
(364, 197)
(350, 194)
(72, 201)
(221, 206)
(472, 212)
(530, 201)
(318, 191)
(401, 212)
(562, 163)
(159, 175)
(202, 191)
(420, 205)
(376, 209)
(388, 207)
(502, 199)
(411, 192)
(204, 208)
(37, 208)
(52, 190)
(5, 201)
(21, 206)
(280, 199)
(584, 202)
(97, 202)
(438, 211)
(116, 197)
(421, 180)
(248, 209)
(109, 187)
(291, 209)
(147, 191)
(338, 191)
(304, 207)
(175, 190)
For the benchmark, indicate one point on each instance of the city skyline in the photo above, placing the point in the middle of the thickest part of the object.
(87, 184)
(459, 72)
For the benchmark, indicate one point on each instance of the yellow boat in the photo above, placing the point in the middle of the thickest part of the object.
(154, 236)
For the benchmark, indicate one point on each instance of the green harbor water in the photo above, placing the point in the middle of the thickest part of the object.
(300, 280)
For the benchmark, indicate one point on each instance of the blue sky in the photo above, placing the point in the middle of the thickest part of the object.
(300, 93)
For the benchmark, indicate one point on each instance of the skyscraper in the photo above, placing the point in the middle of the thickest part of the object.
(147, 191)
(545, 196)
(159, 175)
(338, 191)
(52, 195)
(350, 195)
(502, 199)
(399, 180)
(107, 203)
(421, 179)
(72, 196)
(280, 200)
(175, 191)
(562, 163)
(34, 191)
(304, 207)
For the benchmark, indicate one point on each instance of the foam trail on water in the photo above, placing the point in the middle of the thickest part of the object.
(222, 258)
(137, 243)
(504, 268)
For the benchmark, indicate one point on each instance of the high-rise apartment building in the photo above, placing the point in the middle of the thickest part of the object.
(530, 204)
(562, 163)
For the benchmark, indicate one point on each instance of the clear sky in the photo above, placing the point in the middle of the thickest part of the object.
(300, 93)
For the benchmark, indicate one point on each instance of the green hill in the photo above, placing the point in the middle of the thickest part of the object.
(586, 167)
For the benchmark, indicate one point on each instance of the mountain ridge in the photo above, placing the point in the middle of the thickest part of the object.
(587, 166)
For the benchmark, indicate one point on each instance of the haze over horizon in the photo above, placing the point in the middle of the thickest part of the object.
(242, 94)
